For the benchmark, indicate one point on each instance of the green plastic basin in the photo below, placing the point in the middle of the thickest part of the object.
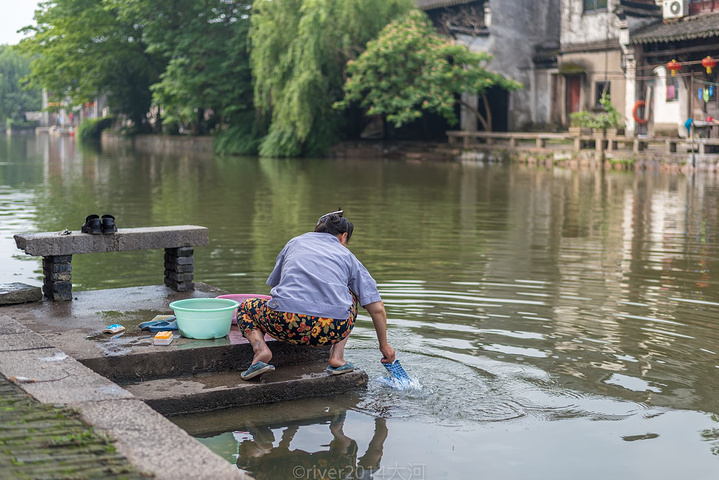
(204, 318)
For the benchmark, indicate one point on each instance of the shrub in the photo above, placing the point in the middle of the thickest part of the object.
(583, 119)
(10, 123)
(91, 129)
(609, 117)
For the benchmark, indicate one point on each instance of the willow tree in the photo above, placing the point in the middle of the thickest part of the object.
(299, 49)
(410, 69)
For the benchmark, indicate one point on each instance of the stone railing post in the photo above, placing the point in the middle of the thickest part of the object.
(57, 270)
(180, 268)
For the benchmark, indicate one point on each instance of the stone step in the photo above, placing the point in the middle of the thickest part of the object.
(225, 389)
(196, 357)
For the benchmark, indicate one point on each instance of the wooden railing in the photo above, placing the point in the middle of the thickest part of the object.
(569, 142)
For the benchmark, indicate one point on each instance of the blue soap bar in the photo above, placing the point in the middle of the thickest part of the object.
(114, 328)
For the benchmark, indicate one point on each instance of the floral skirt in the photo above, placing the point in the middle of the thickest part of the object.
(295, 328)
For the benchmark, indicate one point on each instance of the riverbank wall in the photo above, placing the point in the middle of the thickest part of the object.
(549, 155)
(158, 143)
(608, 152)
(380, 149)
(546, 158)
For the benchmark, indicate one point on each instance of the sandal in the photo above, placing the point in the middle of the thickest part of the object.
(92, 225)
(346, 368)
(255, 370)
(108, 224)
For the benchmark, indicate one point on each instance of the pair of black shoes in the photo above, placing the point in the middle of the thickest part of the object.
(94, 225)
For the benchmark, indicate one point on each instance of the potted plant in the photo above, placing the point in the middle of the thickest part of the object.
(581, 123)
(607, 121)
(610, 121)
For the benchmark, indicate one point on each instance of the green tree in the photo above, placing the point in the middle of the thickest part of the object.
(84, 48)
(186, 61)
(409, 69)
(299, 49)
(207, 81)
(14, 99)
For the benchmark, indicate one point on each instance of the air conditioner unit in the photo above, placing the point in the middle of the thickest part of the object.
(675, 8)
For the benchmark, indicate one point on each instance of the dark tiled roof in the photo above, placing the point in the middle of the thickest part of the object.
(546, 56)
(687, 28)
(432, 4)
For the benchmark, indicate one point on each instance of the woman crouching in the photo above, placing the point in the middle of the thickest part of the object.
(317, 284)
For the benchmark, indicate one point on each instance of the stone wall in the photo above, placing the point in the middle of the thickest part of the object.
(159, 143)
(670, 163)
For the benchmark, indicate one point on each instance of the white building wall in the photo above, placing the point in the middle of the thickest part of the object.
(516, 30)
(666, 113)
(580, 28)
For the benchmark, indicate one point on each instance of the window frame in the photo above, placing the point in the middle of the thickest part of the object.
(599, 87)
(590, 6)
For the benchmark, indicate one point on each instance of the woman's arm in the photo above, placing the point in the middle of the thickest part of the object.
(379, 319)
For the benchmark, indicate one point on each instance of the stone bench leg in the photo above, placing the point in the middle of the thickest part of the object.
(180, 268)
(57, 272)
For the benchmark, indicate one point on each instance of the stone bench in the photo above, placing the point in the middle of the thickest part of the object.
(57, 250)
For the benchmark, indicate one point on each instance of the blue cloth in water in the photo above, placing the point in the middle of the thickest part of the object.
(398, 378)
(396, 371)
(167, 322)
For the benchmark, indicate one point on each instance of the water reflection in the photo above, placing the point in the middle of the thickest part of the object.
(265, 458)
(301, 439)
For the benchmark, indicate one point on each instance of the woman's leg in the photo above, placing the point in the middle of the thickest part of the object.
(259, 346)
(337, 353)
(249, 317)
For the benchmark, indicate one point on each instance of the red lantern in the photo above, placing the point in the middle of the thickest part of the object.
(708, 63)
(674, 67)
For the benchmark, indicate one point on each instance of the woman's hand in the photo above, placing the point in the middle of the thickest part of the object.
(388, 354)
(379, 319)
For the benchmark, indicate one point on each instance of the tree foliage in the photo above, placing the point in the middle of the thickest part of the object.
(185, 60)
(299, 49)
(207, 80)
(263, 74)
(409, 69)
(91, 129)
(14, 99)
(82, 49)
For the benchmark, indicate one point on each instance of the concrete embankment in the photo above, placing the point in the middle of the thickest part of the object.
(62, 357)
(652, 156)
(159, 143)
(365, 149)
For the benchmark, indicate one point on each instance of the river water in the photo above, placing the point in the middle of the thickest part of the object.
(563, 324)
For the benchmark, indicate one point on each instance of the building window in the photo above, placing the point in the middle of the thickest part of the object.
(672, 89)
(595, 5)
(599, 89)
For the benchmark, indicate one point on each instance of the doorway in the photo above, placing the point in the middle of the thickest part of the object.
(574, 94)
